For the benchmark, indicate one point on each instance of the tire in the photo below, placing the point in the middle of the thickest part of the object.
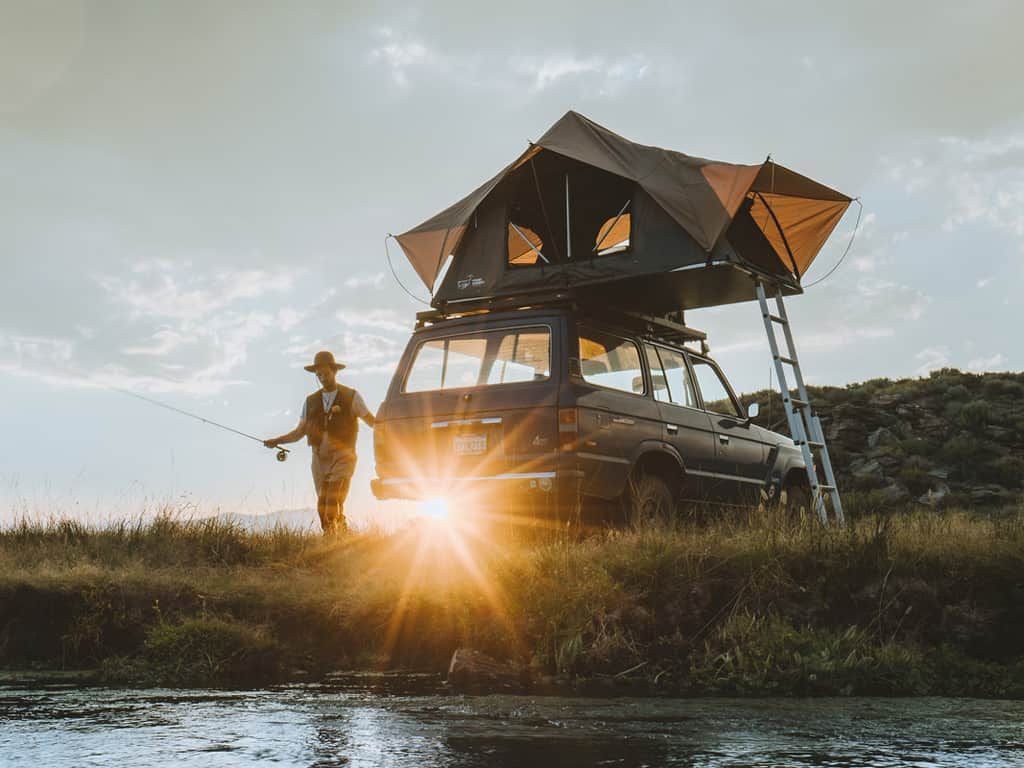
(649, 502)
(795, 501)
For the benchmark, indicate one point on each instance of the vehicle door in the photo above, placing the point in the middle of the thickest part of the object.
(615, 415)
(685, 425)
(740, 452)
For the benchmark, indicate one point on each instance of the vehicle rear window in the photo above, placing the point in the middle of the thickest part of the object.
(483, 359)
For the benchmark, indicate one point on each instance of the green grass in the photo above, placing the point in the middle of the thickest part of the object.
(748, 603)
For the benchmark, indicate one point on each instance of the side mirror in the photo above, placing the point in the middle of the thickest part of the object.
(752, 411)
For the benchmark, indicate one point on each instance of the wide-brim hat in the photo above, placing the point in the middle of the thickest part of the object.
(324, 358)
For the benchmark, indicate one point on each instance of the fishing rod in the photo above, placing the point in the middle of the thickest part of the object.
(282, 453)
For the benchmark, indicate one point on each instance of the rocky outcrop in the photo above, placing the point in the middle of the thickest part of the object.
(952, 438)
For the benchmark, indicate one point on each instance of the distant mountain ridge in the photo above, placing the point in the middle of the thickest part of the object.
(298, 519)
(951, 438)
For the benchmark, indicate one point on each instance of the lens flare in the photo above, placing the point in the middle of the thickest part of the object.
(436, 509)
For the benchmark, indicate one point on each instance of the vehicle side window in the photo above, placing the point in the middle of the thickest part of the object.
(680, 385)
(713, 388)
(611, 362)
(658, 378)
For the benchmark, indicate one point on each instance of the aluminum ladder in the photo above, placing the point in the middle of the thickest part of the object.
(804, 424)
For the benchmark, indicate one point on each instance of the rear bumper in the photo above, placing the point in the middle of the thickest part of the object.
(553, 485)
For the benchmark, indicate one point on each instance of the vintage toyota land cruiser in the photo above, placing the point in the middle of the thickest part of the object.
(561, 409)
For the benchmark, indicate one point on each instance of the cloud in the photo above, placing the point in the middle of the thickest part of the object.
(365, 281)
(931, 358)
(164, 342)
(168, 290)
(368, 352)
(994, 362)
(18, 352)
(168, 327)
(378, 319)
(981, 181)
(610, 73)
(407, 57)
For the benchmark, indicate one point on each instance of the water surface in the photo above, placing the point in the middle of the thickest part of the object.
(402, 722)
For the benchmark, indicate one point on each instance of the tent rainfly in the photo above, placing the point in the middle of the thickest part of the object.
(587, 210)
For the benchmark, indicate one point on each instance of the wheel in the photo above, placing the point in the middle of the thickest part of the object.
(649, 502)
(795, 500)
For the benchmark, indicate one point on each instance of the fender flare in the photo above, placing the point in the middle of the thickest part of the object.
(787, 462)
(655, 446)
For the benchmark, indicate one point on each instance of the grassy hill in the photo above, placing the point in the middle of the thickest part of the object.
(951, 439)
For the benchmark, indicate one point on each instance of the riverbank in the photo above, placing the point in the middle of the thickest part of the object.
(913, 604)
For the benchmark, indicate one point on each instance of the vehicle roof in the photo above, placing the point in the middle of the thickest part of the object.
(492, 317)
(503, 316)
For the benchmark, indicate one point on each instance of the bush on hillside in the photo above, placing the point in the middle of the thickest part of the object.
(975, 415)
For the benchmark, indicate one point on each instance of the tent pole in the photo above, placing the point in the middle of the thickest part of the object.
(568, 234)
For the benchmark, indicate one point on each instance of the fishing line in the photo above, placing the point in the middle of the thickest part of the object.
(394, 274)
(849, 245)
(282, 453)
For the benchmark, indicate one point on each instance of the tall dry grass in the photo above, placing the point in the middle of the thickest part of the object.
(751, 601)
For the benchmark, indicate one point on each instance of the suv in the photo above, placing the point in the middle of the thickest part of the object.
(557, 410)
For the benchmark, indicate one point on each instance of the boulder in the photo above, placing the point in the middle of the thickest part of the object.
(893, 493)
(867, 470)
(989, 494)
(472, 670)
(935, 496)
(881, 436)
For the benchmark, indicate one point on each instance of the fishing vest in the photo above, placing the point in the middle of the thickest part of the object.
(341, 426)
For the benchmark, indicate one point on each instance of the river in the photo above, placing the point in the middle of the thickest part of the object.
(397, 722)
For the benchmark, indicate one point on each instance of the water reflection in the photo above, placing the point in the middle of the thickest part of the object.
(356, 722)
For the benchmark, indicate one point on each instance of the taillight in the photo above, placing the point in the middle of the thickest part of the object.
(568, 429)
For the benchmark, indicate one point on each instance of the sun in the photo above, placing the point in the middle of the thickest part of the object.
(436, 509)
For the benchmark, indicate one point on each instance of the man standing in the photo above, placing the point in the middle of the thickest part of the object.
(330, 424)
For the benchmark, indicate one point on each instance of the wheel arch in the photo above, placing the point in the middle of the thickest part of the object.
(662, 460)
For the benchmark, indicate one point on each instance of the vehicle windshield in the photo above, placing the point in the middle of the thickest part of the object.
(482, 359)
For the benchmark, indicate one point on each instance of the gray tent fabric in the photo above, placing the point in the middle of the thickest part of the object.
(543, 220)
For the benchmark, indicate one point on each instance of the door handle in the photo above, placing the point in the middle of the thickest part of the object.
(723, 439)
(623, 420)
(672, 429)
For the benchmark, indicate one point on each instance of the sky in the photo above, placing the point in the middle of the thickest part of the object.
(194, 199)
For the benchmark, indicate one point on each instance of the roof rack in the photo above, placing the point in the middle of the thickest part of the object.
(670, 327)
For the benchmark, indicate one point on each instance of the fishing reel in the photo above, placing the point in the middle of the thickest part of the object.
(282, 454)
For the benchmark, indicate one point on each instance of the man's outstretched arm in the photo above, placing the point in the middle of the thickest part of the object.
(290, 437)
(361, 411)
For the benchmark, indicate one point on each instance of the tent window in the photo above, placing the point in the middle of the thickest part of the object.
(525, 247)
(613, 236)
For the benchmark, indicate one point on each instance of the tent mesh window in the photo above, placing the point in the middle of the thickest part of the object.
(561, 211)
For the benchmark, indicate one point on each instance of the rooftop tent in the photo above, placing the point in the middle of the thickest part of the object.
(585, 209)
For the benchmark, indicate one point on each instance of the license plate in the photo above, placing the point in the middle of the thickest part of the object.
(469, 445)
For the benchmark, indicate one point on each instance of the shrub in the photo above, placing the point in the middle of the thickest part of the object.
(951, 411)
(998, 387)
(915, 478)
(962, 452)
(210, 651)
(958, 392)
(1008, 471)
(975, 414)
